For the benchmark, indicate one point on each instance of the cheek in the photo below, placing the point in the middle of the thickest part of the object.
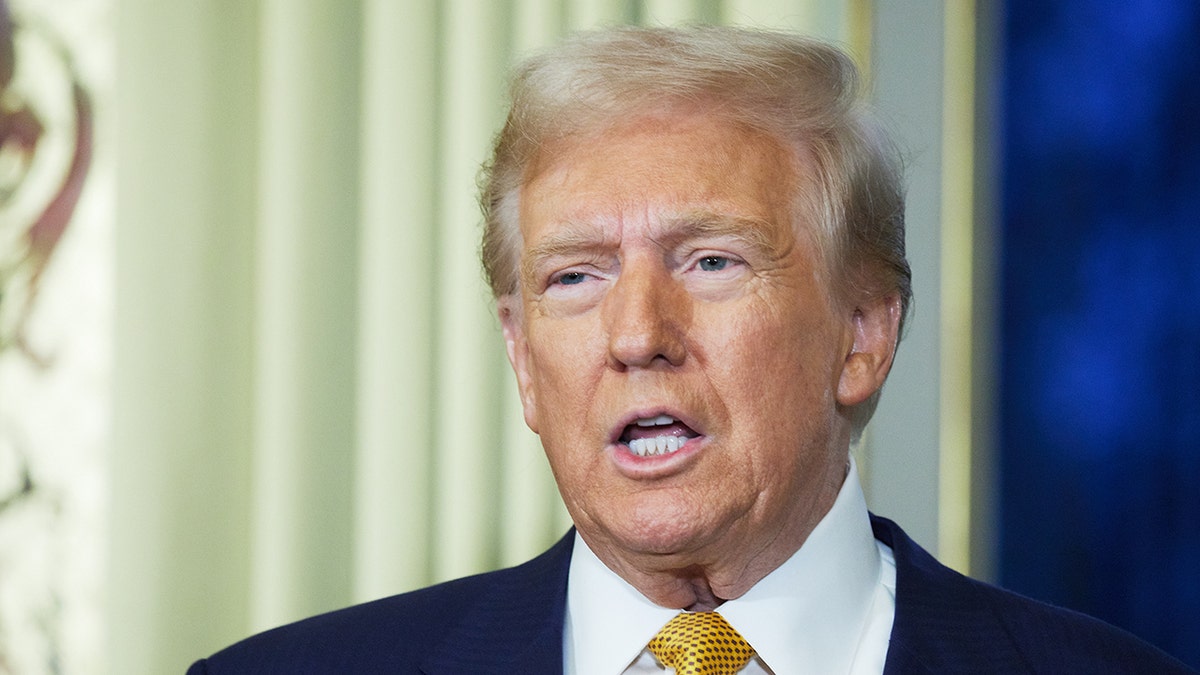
(558, 349)
(565, 361)
(777, 364)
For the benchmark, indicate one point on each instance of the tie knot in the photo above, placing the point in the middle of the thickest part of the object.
(700, 643)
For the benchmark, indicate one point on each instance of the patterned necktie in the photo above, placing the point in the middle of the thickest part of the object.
(700, 643)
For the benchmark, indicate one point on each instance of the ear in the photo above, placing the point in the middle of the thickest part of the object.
(875, 328)
(513, 325)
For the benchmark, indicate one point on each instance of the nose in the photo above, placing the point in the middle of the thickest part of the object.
(645, 314)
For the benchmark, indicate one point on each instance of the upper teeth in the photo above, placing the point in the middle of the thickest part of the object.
(655, 421)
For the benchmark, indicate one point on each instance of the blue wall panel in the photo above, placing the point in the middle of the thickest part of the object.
(1100, 385)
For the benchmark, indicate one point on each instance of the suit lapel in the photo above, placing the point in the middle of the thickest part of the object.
(943, 622)
(515, 626)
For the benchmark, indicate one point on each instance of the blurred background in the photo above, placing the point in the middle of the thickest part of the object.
(249, 369)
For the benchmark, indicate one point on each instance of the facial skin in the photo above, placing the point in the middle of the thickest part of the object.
(662, 273)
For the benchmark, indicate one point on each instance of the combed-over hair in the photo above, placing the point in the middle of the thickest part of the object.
(803, 92)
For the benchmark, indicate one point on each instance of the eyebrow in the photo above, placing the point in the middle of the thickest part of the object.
(571, 238)
(754, 232)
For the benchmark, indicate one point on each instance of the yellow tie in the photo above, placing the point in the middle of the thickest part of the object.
(700, 643)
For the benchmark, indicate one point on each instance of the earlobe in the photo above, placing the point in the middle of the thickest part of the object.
(517, 346)
(875, 329)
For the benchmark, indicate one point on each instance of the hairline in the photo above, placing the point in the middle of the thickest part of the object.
(810, 203)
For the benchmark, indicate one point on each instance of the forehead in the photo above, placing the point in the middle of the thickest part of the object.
(660, 168)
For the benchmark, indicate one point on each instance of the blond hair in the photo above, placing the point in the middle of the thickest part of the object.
(802, 91)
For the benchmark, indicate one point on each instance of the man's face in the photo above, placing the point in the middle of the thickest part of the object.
(674, 342)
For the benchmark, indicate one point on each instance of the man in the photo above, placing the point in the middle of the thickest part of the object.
(696, 242)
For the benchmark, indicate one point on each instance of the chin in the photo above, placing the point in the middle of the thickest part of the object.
(658, 528)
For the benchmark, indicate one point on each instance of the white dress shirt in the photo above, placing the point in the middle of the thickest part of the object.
(827, 609)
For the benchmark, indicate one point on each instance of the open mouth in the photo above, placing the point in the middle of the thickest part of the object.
(658, 435)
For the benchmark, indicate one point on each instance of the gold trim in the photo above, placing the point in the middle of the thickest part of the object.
(957, 285)
(861, 27)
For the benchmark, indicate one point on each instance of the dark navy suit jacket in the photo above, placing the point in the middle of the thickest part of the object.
(511, 622)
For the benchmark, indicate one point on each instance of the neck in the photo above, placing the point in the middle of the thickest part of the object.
(701, 580)
(696, 588)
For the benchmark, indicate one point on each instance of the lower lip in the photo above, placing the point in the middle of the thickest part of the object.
(653, 466)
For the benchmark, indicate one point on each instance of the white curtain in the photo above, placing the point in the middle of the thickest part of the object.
(312, 407)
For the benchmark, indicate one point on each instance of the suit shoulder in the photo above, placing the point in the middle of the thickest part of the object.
(1059, 640)
(392, 634)
(389, 632)
(949, 623)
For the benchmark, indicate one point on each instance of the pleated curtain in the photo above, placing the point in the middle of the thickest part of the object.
(311, 401)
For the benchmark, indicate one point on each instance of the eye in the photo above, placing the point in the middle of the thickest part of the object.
(712, 263)
(571, 278)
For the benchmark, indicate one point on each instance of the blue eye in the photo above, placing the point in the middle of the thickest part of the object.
(713, 263)
(572, 278)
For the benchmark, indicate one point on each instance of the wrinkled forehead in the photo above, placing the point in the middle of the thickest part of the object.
(715, 168)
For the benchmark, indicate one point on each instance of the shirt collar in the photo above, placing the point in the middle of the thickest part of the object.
(608, 622)
(810, 610)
